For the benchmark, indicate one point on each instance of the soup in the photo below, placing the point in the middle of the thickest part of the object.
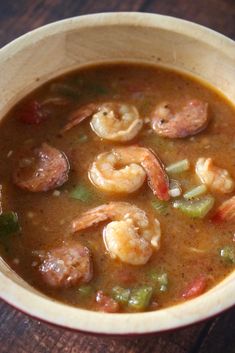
(117, 188)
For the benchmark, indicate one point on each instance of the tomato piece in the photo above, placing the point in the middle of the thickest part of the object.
(106, 303)
(32, 113)
(195, 288)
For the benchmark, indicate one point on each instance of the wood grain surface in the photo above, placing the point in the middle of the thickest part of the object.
(20, 333)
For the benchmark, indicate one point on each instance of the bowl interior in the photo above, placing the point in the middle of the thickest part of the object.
(121, 37)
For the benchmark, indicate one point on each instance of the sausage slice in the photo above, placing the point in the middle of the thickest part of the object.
(41, 169)
(67, 266)
(192, 118)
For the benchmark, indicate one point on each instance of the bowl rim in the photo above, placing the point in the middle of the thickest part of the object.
(180, 315)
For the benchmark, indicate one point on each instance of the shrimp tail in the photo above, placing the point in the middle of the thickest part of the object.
(79, 115)
(157, 178)
(90, 218)
(225, 212)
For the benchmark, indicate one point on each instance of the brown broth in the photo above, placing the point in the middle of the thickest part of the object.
(189, 247)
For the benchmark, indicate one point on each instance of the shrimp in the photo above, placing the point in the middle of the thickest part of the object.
(111, 121)
(131, 236)
(190, 120)
(226, 211)
(216, 178)
(124, 169)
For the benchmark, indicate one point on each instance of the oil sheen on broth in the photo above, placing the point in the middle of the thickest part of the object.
(117, 188)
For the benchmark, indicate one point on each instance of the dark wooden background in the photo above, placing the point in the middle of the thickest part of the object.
(20, 333)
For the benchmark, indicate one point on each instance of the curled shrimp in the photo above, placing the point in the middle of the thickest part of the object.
(124, 169)
(111, 121)
(131, 236)
(170, 121)
(226, 211)
(215, 178)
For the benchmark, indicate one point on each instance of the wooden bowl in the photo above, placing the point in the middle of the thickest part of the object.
(60, 47)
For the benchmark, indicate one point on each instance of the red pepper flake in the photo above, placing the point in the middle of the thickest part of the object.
(32, 113)
(197, 287)
(106, 303)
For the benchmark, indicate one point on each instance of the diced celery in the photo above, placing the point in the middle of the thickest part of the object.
(85, 290)
(228, 254)
(178, 167)
(160, 206)
(82, 193)
(9, 223)
(195, 192)
(120, 294)
(161, 280)
(140, 298)
(196, 208)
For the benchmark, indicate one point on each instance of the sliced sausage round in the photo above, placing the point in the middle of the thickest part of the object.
(41, 169)
(67, 266)
(189, 120)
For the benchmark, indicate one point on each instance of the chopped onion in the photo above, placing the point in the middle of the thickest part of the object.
(175, 192)
(195, 192)
(175, 188)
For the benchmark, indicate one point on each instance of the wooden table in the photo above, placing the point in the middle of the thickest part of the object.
(20, 333)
